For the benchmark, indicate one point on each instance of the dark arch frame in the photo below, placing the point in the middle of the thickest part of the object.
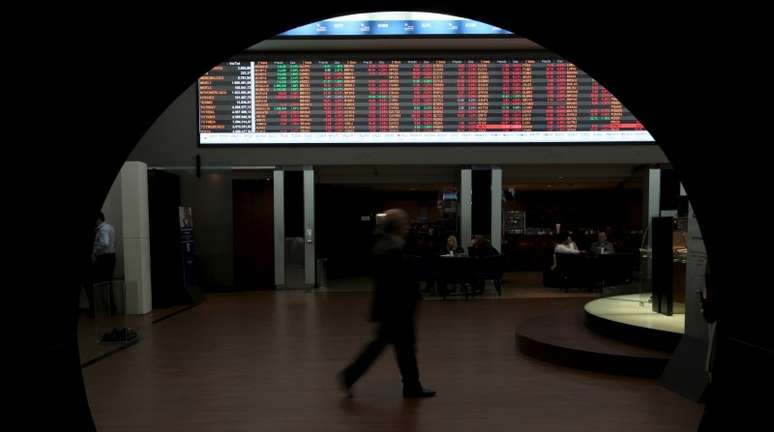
(631, 54)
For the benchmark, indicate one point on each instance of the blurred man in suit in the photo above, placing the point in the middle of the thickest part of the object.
(394, 308)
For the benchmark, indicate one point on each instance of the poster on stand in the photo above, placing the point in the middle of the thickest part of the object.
(188, 252)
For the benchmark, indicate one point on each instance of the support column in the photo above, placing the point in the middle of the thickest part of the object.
(279, 228)
(695, 325)
(466, 207)
(497, 208)
(651, 208)
(684, 373)
(136, 238)
(309, 231)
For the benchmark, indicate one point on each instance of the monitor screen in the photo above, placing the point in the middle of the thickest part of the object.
(414, 101)
(449, 196)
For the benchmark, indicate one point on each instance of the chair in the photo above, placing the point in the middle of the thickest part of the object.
(490, 268)
(425, 270)
(458, 271)
(572, 269)
(614, 269)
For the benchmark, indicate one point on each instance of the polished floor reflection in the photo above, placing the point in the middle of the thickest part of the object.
(266, 361)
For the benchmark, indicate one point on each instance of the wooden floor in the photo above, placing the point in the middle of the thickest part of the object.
(266, 361)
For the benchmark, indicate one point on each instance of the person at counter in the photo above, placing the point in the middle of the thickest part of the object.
(482, 248)
(452, 248)
(602, 246)
(564, 245)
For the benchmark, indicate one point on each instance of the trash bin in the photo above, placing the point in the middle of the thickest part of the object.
(322, 273)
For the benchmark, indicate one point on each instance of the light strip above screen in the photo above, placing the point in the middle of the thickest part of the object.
(341, 101)
(396, 24)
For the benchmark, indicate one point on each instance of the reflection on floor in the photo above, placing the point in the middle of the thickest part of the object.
(267, 361)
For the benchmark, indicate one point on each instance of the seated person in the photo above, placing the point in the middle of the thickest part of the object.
(564, 245)
(602, 246)
(452, 248)
(482, 248)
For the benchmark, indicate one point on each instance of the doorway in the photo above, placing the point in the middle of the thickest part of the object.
(253, 234)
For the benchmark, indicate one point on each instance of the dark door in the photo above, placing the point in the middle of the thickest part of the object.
(344, 216)
(253, 234)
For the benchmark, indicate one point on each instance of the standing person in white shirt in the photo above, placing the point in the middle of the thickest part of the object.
(103, 257)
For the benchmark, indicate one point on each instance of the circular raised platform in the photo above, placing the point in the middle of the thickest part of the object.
(566, 339)
(631, 318)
